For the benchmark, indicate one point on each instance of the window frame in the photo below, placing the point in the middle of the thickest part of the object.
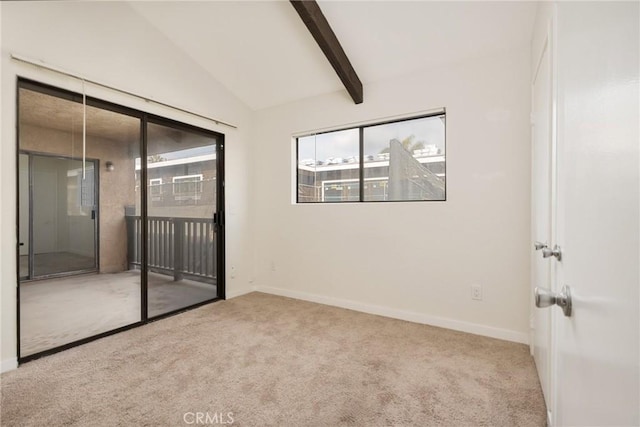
(155, 189)
(140, 153)
(361, 179)
(196, 195)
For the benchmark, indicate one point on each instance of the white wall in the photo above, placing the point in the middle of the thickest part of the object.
(109, 42)
(417, 260)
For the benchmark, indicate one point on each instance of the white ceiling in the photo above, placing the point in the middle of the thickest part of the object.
(262, 52)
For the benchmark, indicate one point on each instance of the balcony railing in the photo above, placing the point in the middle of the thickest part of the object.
(177, 246)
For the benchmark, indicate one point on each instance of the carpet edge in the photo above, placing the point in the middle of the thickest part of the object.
(410, 316)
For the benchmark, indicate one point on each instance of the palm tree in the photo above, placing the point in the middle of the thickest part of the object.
(155, 158)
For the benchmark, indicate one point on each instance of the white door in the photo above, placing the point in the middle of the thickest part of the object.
(542, 210)
(597, 349)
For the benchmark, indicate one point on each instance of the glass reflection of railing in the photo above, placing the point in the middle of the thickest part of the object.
(182, 247)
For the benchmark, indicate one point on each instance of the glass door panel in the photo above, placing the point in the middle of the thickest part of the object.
(81, 210)
(76, 216)
(181, 234)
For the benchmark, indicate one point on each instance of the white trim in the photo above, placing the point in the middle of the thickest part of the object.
(9, 365)
(552, 35)
(184, 179)
(241, 292)
(181, 177)
(155, 189)
(442, 322)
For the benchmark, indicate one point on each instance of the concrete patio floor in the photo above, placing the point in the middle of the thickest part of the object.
(59, 311)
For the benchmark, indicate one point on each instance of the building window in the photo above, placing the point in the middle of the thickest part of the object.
(187, 187)
(403, 160)
(155, 189)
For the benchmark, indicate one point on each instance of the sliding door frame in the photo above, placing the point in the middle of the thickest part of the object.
(218, 216)
(145, 118)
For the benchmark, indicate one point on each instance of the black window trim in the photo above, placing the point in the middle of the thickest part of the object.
(361, 128)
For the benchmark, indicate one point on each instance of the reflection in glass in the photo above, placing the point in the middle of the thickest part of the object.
(63, 215)
(23, 217)
(73, 219)
(405, 160)
(401, 161)
(181, 202)
(328, 167)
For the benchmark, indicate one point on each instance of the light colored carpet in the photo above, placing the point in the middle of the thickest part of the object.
(58, 311)
(274, 361)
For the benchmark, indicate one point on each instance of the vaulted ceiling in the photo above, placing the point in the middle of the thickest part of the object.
(262, 52)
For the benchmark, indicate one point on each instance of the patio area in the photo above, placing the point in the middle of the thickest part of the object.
(59, 311)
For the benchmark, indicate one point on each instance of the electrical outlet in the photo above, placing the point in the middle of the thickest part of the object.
(476, 292)
(273, 266)
(233, 272)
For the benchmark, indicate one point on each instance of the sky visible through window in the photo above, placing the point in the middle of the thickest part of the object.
(344, 144)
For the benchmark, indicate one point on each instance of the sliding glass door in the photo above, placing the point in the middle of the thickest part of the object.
(181, 205)
(118, 218)
(75, 282)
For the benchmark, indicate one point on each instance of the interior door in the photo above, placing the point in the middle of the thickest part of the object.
(62, 208)
(598, 213)
(542, 207)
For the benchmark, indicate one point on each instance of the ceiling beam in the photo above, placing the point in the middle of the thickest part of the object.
(314, 19)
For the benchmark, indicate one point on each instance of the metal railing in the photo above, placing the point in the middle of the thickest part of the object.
(179, 246)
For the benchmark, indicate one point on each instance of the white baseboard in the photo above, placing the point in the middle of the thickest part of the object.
(234, 294)
(8, 365)
(442, 322)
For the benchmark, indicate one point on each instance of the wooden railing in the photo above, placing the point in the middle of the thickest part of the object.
(180, 246)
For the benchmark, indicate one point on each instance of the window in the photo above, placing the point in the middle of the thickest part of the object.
(155, 189)
(327, 161)
(402, 160)
(187, 187)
